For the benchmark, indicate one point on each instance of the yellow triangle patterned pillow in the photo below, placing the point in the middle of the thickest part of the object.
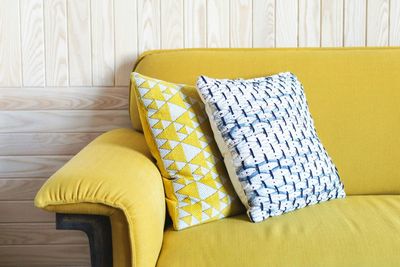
(178, 132)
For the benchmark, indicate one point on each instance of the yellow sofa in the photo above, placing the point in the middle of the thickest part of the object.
(354, 97)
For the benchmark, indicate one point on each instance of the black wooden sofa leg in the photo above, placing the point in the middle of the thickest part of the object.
(98, 230)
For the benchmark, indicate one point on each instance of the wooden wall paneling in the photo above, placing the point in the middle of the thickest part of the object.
(19, 189)
(309, 23)
(172, 24)
(65, 99)
(241, 23)
(36, 144)
(126, 43)
(55, 15)
(394, 37)
(66, 121)
(38, 234)
(23, 211)
(30, 166)
(102, 18)
(44, 255)
(263, 23)
(10, 44)
(218, 23)
(79, 43)
(355, 13)
(332, 23)
(149, 34)
(286, 23)
(195, 23)
(32, 42)
(378, 23)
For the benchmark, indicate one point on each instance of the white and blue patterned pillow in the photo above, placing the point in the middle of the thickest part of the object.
(266, 134)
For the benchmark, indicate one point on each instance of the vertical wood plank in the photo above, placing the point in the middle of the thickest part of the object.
(149, 25)
(195, 23)
(218, 23)
(332, 23)
(79, 43)
(32, 39)
(394, 23)
(55, 14)
(355, 22)
(10, 50)
(241, 23)
(126, 49)
(309, 23)
(263, 23)
(286, 23)
(378, 23)
(172, 24)
(102, 42)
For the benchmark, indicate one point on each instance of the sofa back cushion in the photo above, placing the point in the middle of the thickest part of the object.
(353, 94)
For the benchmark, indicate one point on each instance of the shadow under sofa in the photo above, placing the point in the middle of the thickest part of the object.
(354, 97)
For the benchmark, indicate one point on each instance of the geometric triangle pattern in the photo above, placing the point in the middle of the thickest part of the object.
(180, 138)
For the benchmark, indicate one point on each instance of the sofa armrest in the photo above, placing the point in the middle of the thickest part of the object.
(114, 170)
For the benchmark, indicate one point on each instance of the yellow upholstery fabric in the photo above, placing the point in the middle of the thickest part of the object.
(353, 94)
(356, 231)
(197, 187)
(114, 170)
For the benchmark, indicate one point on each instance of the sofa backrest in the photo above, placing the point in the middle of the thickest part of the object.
(353, 94)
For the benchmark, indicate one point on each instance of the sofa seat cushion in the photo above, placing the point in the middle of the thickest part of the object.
(356, 231)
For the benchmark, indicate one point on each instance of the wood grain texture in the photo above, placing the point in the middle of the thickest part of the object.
(149, 34)
(67, 121)
(286, 23)
(66, 99)
(241, 18)
(355, 22)
(378, 23)
(332, 23)
(38, 234)
(394, 36)
(172, 24)
(218, 23)
(55, 15)
(44, 255)
(195, 24)
(79, 43)
(30, 166)
(36, 144)
(19, 189)
(23, 211)
(10, 44)
(264, 23)
(102, 42)
(309, 23)
(126, 51)
(32, 42)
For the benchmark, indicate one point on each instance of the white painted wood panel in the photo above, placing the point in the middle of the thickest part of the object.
(378, 23)
(102, 18)
(309, 23)
(79, 43)
(126, 42)
(286, 23)
(355, 16)
(10, 44)
(218, 23)
(149, 25)
(172, 24)
(55, 15)
(195, 23)
(32, 42)
(241, 14)
(332, 23)
(394, 37)
(263, 23)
